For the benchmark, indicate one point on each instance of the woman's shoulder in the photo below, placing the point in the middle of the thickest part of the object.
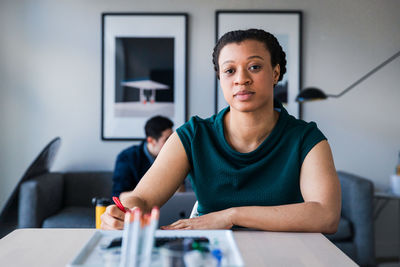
(211, 121)
(203, 128)
(290, 122)
(299, 124)
(301, 130)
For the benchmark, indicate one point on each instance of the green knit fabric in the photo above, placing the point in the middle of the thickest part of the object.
(222, 178)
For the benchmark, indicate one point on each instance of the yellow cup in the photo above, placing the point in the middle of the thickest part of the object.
(99, 211)
(101, 205)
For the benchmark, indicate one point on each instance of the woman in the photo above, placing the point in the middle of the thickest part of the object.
(252, 165)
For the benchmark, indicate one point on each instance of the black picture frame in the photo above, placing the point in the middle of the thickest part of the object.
(286, 25)
(144, 62)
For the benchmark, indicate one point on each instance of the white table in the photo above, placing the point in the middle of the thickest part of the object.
(57, 247)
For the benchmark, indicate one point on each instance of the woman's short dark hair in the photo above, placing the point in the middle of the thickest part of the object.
(156, 125)
(278, 56)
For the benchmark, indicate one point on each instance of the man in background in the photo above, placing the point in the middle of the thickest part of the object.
(133, 162)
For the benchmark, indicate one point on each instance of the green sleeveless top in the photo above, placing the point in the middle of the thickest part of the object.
(222, 177)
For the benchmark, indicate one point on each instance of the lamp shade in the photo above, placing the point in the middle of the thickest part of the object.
(311, 94)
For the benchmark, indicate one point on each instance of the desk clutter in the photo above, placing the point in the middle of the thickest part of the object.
(138, 238)
(140, 245)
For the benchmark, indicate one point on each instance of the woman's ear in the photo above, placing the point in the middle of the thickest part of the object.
(276, 73)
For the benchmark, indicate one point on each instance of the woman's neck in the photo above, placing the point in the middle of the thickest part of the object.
(245, 131)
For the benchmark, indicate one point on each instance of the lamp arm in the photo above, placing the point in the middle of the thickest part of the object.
(366, 75)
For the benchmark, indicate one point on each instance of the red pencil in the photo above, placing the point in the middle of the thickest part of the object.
(118, 203)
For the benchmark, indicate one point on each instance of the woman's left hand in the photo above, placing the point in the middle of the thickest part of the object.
(214, 220)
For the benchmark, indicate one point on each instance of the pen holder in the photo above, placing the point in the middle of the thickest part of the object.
(101, 205)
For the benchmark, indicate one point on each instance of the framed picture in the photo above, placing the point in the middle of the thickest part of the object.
(144, 59)
(286, 27)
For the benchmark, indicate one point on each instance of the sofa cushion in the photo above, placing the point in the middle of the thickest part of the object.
(72, 217)
(39, 197)
(81, 187)
(344, 231)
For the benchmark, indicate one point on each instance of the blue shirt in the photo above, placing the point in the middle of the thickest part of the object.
(132, 163)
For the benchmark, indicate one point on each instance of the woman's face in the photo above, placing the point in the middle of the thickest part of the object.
(246, 75)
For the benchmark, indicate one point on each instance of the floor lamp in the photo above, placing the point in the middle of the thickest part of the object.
(313, 93)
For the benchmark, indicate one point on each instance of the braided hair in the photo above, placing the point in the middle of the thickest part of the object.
(278, 56)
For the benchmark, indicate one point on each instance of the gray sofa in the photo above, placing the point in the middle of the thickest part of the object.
(64, 200)
(57, 200)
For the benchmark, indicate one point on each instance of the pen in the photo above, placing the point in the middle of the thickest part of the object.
(148, 239)
(126, 238)
(118, 203)
(134, 238)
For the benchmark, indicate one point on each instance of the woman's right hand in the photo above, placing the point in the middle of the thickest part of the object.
(169, 170)
(112, 218)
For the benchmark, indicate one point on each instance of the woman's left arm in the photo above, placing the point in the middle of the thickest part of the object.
(320, 211)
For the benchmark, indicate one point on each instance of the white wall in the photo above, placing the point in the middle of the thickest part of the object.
(50, 81)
